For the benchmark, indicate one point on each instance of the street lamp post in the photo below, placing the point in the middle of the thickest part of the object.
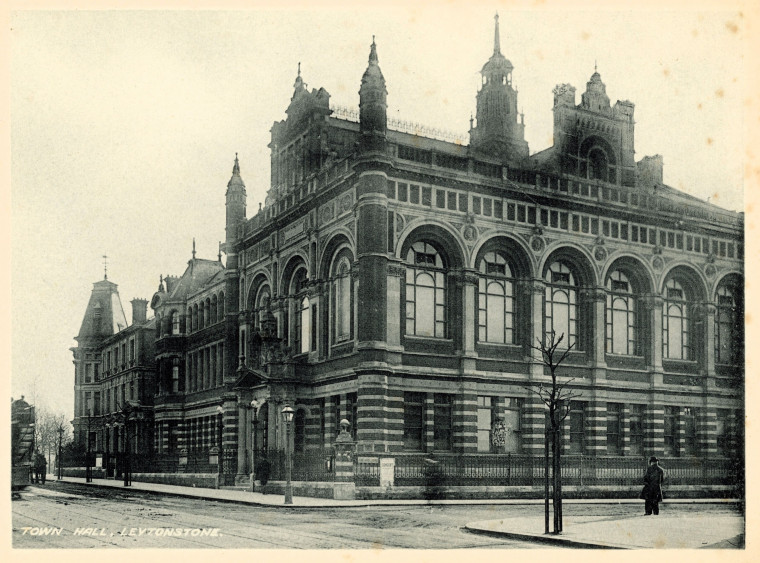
(255, 421)
(287, 415)
(88, 469)
(59, 458)
(127, 410)
(220, 461)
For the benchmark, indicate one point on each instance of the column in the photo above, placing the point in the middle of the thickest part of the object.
(653, 308)
(596, 299)
(708, 316)
(243, 452)
(372, 411)
(596, 427)
(654, 429)
(680, 437)
(533, 291)
(395, 327)
(533, 425)
(707, 431)
(625, 429)
(331, 424)
(229, 432)
(428, 428)
(465, 419)
(469, 281)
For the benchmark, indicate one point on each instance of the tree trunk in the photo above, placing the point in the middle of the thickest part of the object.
(546, 482)
(559, 478)
(555, 474)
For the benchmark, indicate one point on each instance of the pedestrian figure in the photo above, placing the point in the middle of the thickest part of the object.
(651, 494)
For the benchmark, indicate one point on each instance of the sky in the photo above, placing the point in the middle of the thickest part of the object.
(125, 124)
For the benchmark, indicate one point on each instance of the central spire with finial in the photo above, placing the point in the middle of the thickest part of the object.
(193, 248)
(496, 40)
(105, 267)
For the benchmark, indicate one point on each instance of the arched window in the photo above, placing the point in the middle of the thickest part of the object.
(597, 164)
(561, 304)
(728, 336)
(220, 307)
(261, 305)
(676, 344)
(342, 312)
(425, 292)
(621, 315)
(213, 310)
(175, 322)
(195, 317)
(496, 303)
(301, 313)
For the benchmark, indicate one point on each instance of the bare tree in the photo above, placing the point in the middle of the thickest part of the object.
(556, 396)
(47, 432)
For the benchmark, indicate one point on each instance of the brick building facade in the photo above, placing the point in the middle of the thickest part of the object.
(398, 279)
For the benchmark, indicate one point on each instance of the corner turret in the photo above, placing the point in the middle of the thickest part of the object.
(373, 122)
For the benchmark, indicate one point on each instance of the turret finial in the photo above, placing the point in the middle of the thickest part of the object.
(219, 256)
(594, 65)
(299, 68)
(373, 52)
(496, 40)
(193, 248)
(236, 166)
(105, 267)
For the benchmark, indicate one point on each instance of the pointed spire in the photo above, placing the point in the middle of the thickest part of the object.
(219, 256)
(299, 85)
(193, 248)
(105, 267)
(236, 166)
(496, 40)
(160, 282)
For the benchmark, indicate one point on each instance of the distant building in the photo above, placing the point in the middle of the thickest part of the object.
(398, 280)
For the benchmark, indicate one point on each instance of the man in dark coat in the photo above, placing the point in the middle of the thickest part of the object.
(652, 491)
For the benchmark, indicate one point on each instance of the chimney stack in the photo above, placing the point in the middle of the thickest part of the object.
(139, 310)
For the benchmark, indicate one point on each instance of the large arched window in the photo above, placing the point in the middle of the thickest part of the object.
(561, 304)
(597, 164)
(728, 335)
(261, 305)
(425, 291)
(496, 303)
(301, 313)
(342, 300)
(676, 318)
(621, 315)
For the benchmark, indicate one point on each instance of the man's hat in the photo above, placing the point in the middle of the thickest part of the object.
(651, 459)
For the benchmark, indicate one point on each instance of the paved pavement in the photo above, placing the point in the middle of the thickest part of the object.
(635, 532)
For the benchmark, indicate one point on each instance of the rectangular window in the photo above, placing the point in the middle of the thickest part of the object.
(594, 226)
(615, 233)
(487, 207)
(545, 217)
(670, 445)
(452, 201)
(634, 233)
(624, 232)
(715, 247)
(485, 418)
(512, 426)
(88, 373)
(498, 209)
(510, 211)
(554, 218)
(532, 215)
(402, 191)
(614, 434)
(442, 421)
(463, 203)
(96, 404)
(697, 244)
(576, 224)
(577, 427)
(563, 221)
(476, 205)
(414, 194)
(414, 411)
(606, 228)
(671, 240)
(352, 408)
(427, 195)
(521, 213)
(679, 242)
(584, 224)
(440, 199)
(689, 415)
(636, 429)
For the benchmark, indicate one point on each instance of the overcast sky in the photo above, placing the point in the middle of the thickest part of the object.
(125, 125)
